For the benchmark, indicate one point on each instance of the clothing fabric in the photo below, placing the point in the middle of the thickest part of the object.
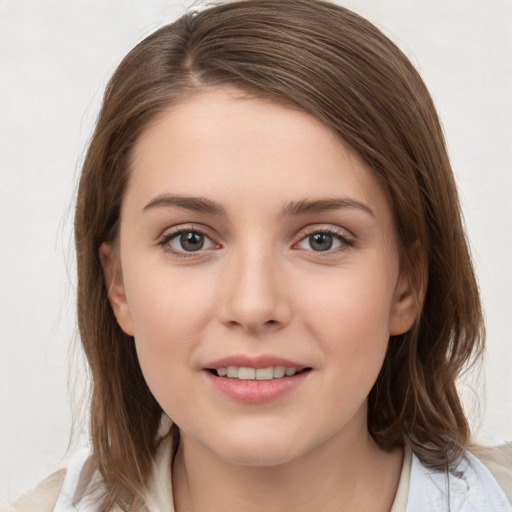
(402, 492)
(469, 487)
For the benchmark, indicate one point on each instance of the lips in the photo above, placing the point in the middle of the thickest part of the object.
(248, 373)
(263, 361)
(255, 379)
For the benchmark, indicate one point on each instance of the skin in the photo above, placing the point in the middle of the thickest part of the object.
(257, 286)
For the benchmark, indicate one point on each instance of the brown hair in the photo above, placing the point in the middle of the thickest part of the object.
(339, 68)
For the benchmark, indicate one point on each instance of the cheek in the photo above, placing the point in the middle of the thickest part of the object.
(349, 315)
(169, 312)
(170, 304)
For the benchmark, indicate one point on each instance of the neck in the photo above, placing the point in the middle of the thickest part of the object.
(334, 477)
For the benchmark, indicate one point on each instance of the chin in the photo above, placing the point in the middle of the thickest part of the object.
(258, 455)
(258, 449)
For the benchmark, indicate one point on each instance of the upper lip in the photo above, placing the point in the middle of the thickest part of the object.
(262, 361)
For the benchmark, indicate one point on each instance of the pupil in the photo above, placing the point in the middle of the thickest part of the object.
(320, 241)
(192, 241)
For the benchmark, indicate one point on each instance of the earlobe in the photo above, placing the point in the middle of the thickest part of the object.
(114, 284)
(406, 306)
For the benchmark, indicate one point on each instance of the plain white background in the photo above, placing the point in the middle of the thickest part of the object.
(55, 58)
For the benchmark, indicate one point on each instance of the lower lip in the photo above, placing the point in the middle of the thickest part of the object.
(256, 391)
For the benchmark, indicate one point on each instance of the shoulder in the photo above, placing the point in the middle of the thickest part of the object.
(498, 460)
(58, 492)
(79, 487)
(44, 497)
(468, 487)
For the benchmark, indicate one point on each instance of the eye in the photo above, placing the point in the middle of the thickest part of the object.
(325, 240)
(183, 241)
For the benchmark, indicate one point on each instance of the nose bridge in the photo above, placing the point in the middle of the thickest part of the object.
(254, 297)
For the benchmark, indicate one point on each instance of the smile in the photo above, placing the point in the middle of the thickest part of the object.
(247, 373)
(256, 379)
(249, 387)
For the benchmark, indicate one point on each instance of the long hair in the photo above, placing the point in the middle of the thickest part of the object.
(339, 68)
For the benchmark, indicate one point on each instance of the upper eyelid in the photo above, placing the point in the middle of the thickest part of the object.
(316, 228)
(168, 235)
(347, 241)
(336, 231)
(174, 230)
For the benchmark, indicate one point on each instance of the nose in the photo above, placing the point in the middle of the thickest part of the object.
(254, 295)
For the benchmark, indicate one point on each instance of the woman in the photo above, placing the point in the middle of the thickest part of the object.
(271, 254)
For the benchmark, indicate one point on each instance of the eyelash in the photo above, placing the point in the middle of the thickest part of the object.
(345, 241)
(166, 239)
(341, 236)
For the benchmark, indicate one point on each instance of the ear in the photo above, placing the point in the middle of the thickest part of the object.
(114, 284)
(406, 305)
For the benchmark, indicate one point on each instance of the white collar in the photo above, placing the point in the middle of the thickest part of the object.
(470, 487)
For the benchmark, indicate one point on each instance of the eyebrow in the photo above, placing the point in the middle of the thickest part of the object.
(292, 209)
(196, 204)
(323, 205)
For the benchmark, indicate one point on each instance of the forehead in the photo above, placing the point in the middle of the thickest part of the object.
(246, 150)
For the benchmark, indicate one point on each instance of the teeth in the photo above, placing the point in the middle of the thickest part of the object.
(232, 372)
(279, 371)
(263, 374)
(244, 373)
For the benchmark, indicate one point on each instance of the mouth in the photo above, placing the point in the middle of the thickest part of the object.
(256, 379)
(249, 373)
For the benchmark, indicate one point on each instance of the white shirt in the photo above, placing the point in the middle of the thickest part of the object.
(469, 487)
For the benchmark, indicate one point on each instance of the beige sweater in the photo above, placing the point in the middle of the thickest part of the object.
(44, 497)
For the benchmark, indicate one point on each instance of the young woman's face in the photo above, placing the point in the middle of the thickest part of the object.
(253, 244)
